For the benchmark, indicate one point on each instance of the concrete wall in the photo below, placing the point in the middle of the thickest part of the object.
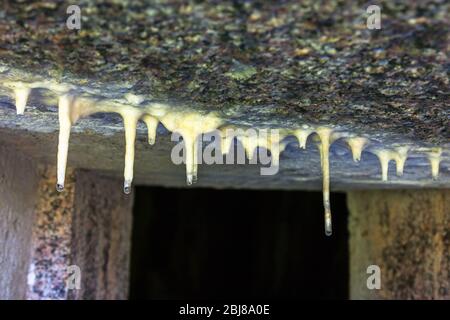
(406, 234)
(87, 226)
(18, 186)
(43, 232)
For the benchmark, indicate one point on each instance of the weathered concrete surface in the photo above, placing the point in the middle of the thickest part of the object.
(405, 233)
(87, 226)
(98, 144)
(101, 237)
(256, 63)
(304, 59)
(51, 240)
(18, 185)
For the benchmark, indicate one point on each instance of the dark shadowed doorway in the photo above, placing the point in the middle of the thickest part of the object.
(206, 243)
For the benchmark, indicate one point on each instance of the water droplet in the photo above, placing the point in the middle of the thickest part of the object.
(59, 187)
(328, 224)
(191, 179)
(127, 187)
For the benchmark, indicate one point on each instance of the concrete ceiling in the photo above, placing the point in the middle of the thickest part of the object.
(256, 64)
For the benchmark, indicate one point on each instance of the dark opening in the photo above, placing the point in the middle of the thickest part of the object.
(209, 244)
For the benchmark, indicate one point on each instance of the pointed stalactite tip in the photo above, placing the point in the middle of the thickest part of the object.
(59, 187)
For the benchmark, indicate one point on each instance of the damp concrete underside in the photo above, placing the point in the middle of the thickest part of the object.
(262, 66)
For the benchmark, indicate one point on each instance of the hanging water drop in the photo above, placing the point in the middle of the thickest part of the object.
(59, 187)
(127, 187)
(328, 222)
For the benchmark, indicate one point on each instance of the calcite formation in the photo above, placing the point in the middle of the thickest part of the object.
(311, 71)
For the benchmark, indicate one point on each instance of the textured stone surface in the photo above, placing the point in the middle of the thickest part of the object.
(101, 242)
(256, 63)
(18, 185)
(88, 226)
(51, 241)
(405, 233)
(315, 61)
